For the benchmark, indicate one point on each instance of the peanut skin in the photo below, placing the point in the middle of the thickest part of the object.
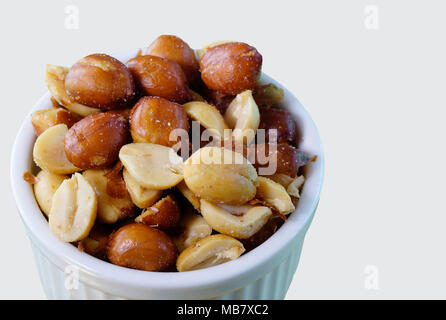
(141, 247)
(160, 77)
(100, 81)
(231, 68)
(95, 141)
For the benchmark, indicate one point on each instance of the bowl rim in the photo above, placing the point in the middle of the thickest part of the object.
(243, 270)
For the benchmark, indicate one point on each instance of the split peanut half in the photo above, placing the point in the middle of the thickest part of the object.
(209, 252)
(55, 80)
(294, 186)
(194, 228)
(73, 210)
(141, 197)
(153, 166)
(49, 151)
(243, 117)
(207, 115)
(110, 208)
(275, 195)
(220, 175)
(45, 187)
(237, 221)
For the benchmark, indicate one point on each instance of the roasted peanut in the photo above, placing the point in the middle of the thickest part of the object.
(175, 49)
(164, 214)
(95, 141)
(268, 95)
(73, 209)
(236, 221)
(49, 153)
(277, 123)
(285, 158)
(45, 187)
(160, 77)
(151, 165)
(141, 197)
(189, 195)
(141, 247)
(275, 195)
(293, 187)
(207, 115)
(153, 119)
(220, 175)
(100, 81)
(202, 51)
(193, 228)
(243, 116)
(55, 80)
(43, 119)
(209, 252)
(231, 68)
(111, 208)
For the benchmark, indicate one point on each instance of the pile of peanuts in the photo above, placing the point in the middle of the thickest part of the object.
(112, 181)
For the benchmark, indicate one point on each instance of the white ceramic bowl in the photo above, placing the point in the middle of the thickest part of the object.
(264, 273)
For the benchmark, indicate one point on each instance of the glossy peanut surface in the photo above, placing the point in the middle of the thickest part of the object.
(153, 119)
(231, 67)
(95, 141)
(160, 77)
(100, 81)
(141, 247)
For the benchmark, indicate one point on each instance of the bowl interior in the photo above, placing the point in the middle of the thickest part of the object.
(244, 268)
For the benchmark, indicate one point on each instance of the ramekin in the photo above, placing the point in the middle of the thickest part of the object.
(263, 273)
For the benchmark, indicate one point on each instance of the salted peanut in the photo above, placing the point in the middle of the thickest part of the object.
(153, 119)
(141, 247)
(55, 81)
(268, 95)
(49, 152)
(141, 197)
(193, 228)
(45, 187)
(231, 68)
(202, 51)
(209, 252)
(43, 119)
(100, 81)
(207, 115)
(189, 195)
(73, 210)
(279, 125)
(243, 117)
(164, 214)
(294, 186)
(95, 141)
(175, 49)
(272, 158)
(160, 77)
(151, 165)
(281, 178)
(110, 207)
(196, 96)
(220, 175)
(236, 221)
(275, 195)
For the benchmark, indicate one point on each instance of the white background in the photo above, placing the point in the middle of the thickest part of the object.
(377, 96)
